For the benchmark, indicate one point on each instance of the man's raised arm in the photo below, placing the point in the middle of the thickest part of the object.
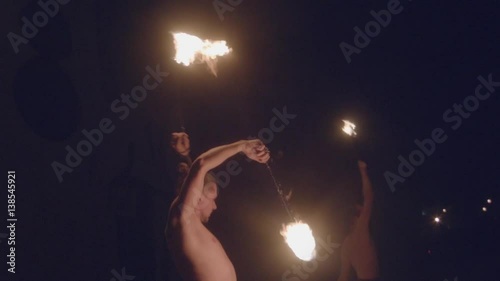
(364, 218)
(192, 188)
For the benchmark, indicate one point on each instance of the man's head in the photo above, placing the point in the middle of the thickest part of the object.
(206, 204)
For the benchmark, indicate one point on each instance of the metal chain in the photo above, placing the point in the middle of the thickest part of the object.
(280, 192)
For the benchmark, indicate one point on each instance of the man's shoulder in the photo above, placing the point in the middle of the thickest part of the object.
(181, 214)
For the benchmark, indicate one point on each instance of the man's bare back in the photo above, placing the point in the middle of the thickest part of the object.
(198, 255)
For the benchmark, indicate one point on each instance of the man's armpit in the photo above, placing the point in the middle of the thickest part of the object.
(185, 213)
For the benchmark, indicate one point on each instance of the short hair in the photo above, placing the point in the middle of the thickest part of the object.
(210, 178)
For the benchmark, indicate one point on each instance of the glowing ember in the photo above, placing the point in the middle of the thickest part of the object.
(437, 219)
(485, 209)
(349, 128)
(489, 201)
(444, 210)
(191, 49)
(299, 238)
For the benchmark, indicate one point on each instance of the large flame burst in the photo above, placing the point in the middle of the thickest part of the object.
(299, 237)
(191, 49)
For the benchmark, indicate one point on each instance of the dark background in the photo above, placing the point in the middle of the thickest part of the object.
(109, 213)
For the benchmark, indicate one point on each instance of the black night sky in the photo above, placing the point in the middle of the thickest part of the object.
(418, 74)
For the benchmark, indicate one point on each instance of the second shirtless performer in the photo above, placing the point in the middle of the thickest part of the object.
(198, 255)
(358, 251)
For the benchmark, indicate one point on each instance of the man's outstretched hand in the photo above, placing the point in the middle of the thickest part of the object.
(180, 143)
(256, 150)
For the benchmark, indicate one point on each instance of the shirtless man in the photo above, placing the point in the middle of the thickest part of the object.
(358, 250)
(198, 255)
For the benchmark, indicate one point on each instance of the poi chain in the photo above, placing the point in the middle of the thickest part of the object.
(280, 192)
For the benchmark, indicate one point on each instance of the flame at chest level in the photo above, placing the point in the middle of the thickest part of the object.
(299, 237)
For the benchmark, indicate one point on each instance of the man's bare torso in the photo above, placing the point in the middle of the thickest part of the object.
(362, 254)
(197, 253)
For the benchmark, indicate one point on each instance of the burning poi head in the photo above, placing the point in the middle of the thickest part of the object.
(300, 239)
(298, 235)
(191, 49)
(349, 128)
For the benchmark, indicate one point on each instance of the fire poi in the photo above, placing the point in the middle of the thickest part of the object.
(190, 49)
(299, 237)
(349, 128)
(297, 234)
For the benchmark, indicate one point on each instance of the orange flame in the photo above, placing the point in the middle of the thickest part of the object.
(300, 239)
(191, 49)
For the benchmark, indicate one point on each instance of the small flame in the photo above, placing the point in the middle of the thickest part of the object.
(191, 49)
(349, 128)
(300, 239)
